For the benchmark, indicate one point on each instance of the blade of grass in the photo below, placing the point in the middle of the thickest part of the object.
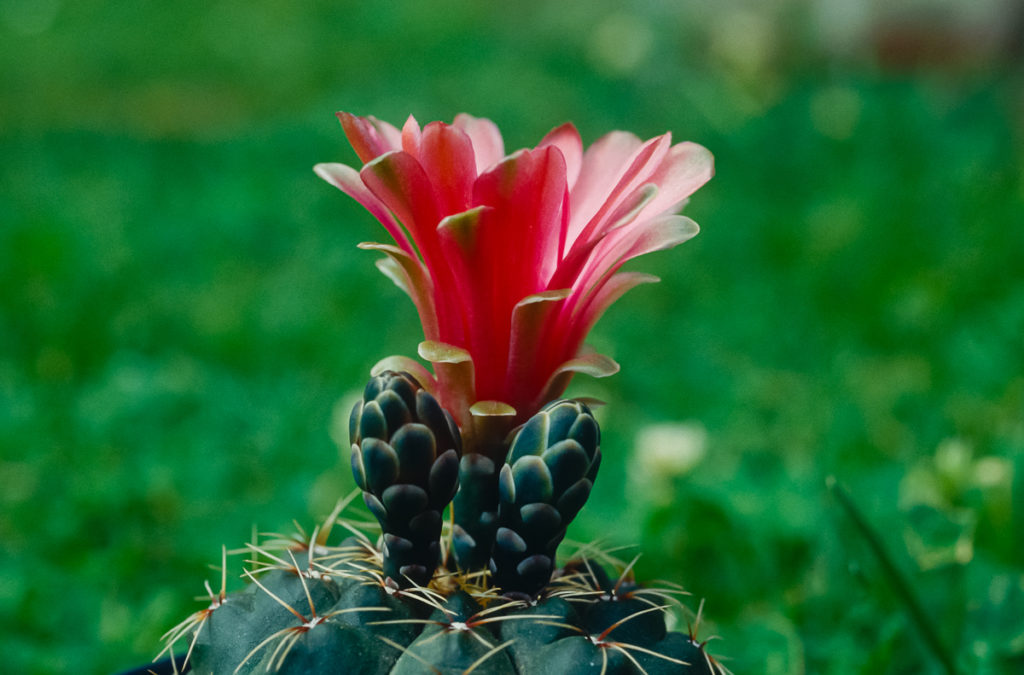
(899, 582)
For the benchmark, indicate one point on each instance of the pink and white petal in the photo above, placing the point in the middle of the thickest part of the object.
(410, 275)
(642, 164)
(571, 265)
(488, 145)
(567, 139)
(446, 154)
(686, 167)
(625, 244)
(609, 255)
(400, 182)
(348, 180)
(369, 136)
(630, 208)
(602, 165)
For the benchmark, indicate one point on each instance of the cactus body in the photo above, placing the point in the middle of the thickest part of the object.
(503, 608)
(335, 613)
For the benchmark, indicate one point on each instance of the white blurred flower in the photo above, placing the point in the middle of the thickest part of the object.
(662, 453)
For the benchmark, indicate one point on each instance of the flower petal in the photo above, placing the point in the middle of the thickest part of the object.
(400, 183)
(626, 243)
(488, 146)
(588, 363)
(686, 167)
(609, 255)
(460, 242)
(528, 347)
(369, 136)
(642, 164)
(411, 137)
(453, 367)
(446, 154)
(347, 179)
(602, 166)
(527, 192)
(614, 288)
(412, 278)
(567, 139)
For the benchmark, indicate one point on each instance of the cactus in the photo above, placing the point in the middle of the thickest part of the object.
(509, 263)
(317, 608)
(379, 607)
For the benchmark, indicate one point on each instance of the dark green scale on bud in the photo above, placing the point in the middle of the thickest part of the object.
(550, 470)
(405, 458)
(476, 512)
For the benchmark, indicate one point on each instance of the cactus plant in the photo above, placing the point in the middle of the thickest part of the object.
(509, 261)
(314, 607)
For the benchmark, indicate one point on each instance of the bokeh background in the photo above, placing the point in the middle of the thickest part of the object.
(182, 305)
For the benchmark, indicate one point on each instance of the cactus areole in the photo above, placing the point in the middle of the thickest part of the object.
(474, 467)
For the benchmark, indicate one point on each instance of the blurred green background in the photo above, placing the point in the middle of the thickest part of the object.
(182, 305)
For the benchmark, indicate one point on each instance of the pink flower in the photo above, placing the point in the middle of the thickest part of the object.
(511, 259)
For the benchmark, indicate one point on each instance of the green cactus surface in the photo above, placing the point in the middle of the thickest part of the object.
(310, 608)
(484, 595)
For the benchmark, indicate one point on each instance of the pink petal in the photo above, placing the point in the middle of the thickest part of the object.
(347, 179)
(369, 136)
(686, 167)
(400, 183)
(466, 240)
(488, 146)
(602, 165)
(631, 242)
(614, 288)
(411, 137)
(527, 191)
(567, 139)
(641, 165)
(611, 253)
(446, 154)
(528, 348)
